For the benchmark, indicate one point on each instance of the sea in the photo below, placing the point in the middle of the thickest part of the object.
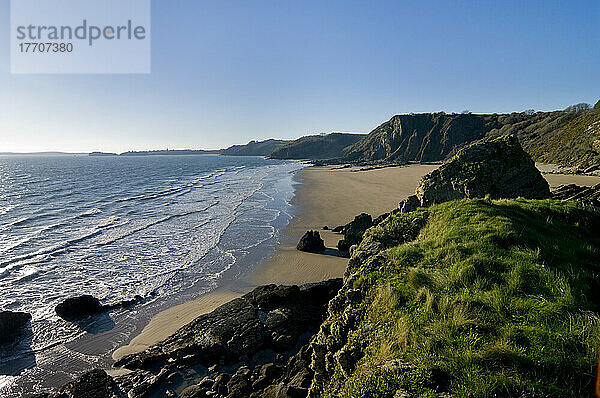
(157, 229)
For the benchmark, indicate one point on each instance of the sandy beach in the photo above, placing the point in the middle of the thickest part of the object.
(326, 196)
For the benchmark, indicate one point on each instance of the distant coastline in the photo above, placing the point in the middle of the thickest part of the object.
(160, 152)
(43, 154)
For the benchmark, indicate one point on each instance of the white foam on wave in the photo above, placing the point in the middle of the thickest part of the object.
(126, 253)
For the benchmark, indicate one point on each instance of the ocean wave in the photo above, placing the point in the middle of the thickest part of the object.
(17, 261)
(170, 191)
(153, 223)
(39, 232)
(109, 248)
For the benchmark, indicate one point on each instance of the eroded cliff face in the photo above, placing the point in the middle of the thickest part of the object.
(570, 137)
(421, 137)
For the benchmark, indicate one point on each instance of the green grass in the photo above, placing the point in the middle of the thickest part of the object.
(490, 299)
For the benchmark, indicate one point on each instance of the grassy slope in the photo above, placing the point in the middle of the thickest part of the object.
(492, 298)
(568, 138)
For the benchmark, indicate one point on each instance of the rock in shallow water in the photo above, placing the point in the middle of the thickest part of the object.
(78, 307)
(11, 325)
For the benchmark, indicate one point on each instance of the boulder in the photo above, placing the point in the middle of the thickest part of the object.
(499, 168)
(343, 246)
(311, 242)
(193, 391)
(354, 230)
(589, 196)
(93, 384)
(285, 391)
(75, 308)
(11, 325)
(220, 384)
(409, 204)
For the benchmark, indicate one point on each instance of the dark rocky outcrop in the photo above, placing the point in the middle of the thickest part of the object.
(246, 346)
(409, 204)
(311, 242)
(588, 196)
(75, 308)
(93, 384)
(498, 168)
(11, 325)
(354, 230)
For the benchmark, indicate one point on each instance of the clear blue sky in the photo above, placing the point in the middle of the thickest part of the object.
(226, 72)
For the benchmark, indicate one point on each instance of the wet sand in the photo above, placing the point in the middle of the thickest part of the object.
(326, 196)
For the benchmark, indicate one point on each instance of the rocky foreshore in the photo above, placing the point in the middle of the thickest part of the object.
(251, 346)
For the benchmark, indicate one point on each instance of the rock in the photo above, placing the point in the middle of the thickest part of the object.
(268, 372)
(311, 242)
(380, 218)
(409, 204)
(347, 358)
(193, 391)
(12, 324)
(588, 196)
(78, 307)
(354, 230)
(220, 384)
(499, 168)
(343, 246)
(206, 383)
(239, 385)
(264, 323)
(93, 384)
(284, 391)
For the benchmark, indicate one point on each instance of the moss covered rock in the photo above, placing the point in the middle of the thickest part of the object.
(499, 168)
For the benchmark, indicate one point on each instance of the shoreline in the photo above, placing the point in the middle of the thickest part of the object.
(324, 196)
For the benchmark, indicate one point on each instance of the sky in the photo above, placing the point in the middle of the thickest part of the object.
(227, 72)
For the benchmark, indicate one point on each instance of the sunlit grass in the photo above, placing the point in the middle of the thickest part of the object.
(490, 299)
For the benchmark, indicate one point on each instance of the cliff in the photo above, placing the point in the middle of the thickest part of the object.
(570, 137)
(317, 147)
(422, 137)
